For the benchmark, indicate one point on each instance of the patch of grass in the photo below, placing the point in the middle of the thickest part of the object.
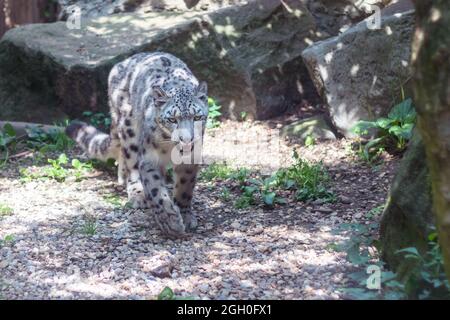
(213, 114)
(89, 226)
(5, 210)
(216, 171)
(113, 200)
(309, 179)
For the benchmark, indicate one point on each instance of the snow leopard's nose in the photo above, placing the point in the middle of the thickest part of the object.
(185, 133)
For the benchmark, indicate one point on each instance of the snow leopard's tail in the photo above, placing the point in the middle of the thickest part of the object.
(95, 143)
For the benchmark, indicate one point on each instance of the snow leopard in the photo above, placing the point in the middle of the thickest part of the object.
(158, 112)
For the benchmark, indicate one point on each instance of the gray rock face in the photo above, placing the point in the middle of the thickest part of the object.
(249, 55)
(407, 219)
(359, 73)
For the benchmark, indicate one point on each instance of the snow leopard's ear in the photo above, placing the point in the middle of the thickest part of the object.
(160, 96)
(202, 91)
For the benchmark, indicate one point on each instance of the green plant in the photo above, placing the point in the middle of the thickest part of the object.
(54, 139)
(243, 115)
(393, 132)
(98, 120)
(57, 170)
(168, 294)
(268, 189)
(310, 141)
(7, 240)
(81, 168)
(427, 280)
(216, 171)
(213, 114)
(5, 210)
(89, 226)
(240, 175)
(309, 179)
(225, 194)
(114, 200)
(7, 141)
(247, 198)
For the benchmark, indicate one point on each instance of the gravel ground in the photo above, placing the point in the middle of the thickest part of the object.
(69, 240)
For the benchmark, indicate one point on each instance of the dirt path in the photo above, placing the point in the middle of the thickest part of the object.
(75, 240)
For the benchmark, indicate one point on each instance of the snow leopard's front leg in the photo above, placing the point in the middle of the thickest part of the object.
(185, 179)
(167, 214)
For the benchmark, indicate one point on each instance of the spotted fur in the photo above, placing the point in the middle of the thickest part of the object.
(156, 105)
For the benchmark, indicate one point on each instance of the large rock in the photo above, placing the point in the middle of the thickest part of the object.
(249, 55)
(359, 73)
(407, 219)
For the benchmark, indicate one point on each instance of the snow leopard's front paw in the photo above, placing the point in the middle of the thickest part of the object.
(190, 221)
(171, 222)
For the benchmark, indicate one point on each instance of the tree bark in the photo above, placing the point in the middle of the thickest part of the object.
(431, 63)
(19, 12)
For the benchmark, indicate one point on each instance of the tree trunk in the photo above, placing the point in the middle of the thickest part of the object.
(19, 12)
(431, 62)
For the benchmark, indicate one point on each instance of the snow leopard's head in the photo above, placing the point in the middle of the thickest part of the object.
(182, 113)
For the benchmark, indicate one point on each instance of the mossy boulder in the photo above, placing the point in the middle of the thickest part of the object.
(249, 55)
(407, 219)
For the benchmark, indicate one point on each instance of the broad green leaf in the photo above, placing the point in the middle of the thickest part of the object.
(410, 250)
(62, 159)
(384, 123)
(9, 130)
(402, 111)
(269, 198)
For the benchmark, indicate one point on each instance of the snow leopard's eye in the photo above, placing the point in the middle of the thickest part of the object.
(172, 120)
(197, 118)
